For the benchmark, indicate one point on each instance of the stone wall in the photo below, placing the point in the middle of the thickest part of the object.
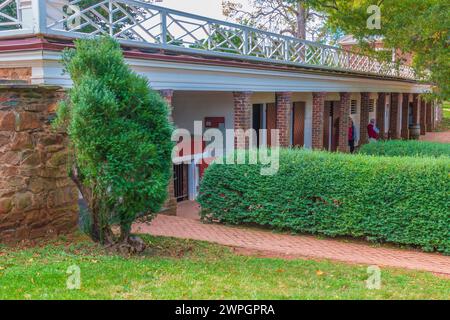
(37, 199)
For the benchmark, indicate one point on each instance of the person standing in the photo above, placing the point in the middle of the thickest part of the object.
(373, 131)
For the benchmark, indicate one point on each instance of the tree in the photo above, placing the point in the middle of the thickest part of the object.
(297, 18)
(121, 140)
(420, 27)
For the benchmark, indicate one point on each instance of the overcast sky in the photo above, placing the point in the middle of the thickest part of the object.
(208, 8)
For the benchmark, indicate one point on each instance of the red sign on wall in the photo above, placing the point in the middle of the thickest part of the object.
(214, 122)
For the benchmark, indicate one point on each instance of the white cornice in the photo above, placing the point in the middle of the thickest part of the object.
(200, 77)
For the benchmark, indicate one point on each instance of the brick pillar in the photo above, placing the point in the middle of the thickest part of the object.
(405, 116)
(381, 109)
(344, 114)
(242, 115)
(364, 119)
(423, 113)
(284, 106)
(416, 109)
(170, 206)
(393, 118)
(429, 117)
(37, 198)
(317, 119)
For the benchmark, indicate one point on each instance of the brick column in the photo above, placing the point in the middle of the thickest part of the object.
(242, 115)
(344, 114)
(381, 109)
(393, 118)
(284, 106)
(37, 197)
(405, 116)
(364, 118)
(423, 113)
(170, 206)
(317, 119)
(416, 109)
(429, 117)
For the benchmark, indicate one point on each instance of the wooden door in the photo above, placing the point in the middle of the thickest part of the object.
(271, 121)
(298, 126)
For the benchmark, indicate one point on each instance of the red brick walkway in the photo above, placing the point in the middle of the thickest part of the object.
(293, 246)
(443, 137)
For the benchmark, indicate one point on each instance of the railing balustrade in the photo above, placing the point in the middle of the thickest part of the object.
(142, 24)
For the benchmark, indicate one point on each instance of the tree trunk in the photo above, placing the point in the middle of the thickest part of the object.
(301, 20)
(101, 230)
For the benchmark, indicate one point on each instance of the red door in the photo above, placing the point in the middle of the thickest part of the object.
(271, 121)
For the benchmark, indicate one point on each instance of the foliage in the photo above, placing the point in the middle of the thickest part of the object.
(417, 26)
(297, 18)
(398, 200)
(120, 134)
(406, 148)
(445, 123)
(185, 269)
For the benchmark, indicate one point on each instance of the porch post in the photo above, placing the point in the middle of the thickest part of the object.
(393, 118)
(364, 119)
(170, 206)
(242, 116)
(405, 116)
(284, 106)
(423, 113)
(416, 109)
(344, 114)
(318, 106)
(381, 110)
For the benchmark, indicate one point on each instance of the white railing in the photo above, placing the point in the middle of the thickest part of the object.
(10, 17)
(138, 23)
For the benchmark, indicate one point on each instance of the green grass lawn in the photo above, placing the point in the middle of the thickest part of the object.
(182, 269)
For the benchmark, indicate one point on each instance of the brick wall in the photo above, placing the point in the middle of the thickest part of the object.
(317, 119)
(37, 199)
(344, 114)
(284, 107)
(242, 115)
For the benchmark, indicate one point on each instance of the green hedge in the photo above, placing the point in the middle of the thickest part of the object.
(406, 148)
(398, 200)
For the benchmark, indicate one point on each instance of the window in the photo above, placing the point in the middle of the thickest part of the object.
(354, 107)
(371, 105)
